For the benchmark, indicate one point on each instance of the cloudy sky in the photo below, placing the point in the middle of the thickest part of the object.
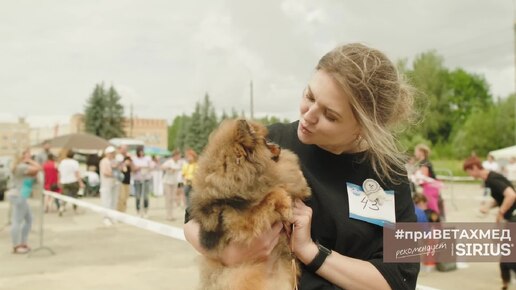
(162, 56)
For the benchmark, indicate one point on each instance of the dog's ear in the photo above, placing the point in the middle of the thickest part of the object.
(275, 150)
(245, 136)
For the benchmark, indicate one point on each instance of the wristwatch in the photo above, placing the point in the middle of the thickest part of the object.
(319, 258)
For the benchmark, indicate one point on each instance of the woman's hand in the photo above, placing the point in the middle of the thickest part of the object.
(259, 249)
(303, 246)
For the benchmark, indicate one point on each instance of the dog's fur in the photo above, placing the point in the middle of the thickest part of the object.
(242, 186)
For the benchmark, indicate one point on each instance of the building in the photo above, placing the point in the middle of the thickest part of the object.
(153, 132)
(14, 137)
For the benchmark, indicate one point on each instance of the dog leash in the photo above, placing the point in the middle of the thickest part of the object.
(293, 261)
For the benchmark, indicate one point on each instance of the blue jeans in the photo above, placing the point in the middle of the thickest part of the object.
(21, 220)
(141, 191)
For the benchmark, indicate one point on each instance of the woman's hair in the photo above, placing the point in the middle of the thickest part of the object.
(380, 99)
(191, 153)
(425, 149)
(18, 159)
(471, 162)
(139, 150)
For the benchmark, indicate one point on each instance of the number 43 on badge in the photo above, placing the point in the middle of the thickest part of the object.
(371, 203)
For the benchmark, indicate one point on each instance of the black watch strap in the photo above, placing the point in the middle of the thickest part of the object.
(319, 258)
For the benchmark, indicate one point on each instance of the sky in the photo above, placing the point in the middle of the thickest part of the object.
(162, 56)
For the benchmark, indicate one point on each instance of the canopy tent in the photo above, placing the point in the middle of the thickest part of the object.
(79, 142)
(504, 153)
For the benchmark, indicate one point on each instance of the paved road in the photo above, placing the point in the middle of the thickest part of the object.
(92, 256)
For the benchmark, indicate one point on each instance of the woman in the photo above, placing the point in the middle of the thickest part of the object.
(142, 180)
(188, 171)
(425, 176)
(24, 172)
(344, 140)
(172, 168)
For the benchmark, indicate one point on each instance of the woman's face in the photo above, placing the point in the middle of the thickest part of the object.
(327, 119)
(26, 155)
(420, 155)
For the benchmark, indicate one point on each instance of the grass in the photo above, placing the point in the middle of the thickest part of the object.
(455, 166)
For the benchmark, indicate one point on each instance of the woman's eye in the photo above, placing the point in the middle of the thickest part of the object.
(310, 98)
(330, 118)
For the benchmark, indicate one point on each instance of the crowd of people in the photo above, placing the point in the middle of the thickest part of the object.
(118, 176)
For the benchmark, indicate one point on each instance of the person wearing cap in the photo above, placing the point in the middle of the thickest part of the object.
(108, 185)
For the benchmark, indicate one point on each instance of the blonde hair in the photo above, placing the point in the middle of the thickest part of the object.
(380, 99)
(425, 149)
(19, 159)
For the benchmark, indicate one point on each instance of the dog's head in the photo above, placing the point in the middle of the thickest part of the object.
(237, 162)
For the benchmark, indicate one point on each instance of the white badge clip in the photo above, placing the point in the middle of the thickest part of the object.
(373, 191)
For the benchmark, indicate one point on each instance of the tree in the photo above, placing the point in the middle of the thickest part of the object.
(203, 122)
(486, 130)
(174, 132)
(94, 111)
(104, 115)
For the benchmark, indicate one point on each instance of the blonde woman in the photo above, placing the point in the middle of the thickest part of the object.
(345, 141)
(24, 174)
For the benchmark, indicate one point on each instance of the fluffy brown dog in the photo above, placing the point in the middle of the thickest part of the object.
(242, 186)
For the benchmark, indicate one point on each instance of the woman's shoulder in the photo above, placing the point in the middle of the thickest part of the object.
(282, 132)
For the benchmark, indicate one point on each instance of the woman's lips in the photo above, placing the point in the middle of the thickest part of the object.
(305, 130)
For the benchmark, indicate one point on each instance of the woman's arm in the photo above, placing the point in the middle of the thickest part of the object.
(235, 253)
(343, 271)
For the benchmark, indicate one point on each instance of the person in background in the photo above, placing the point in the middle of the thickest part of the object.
(510, 171)
(425, 176)
(172, 170)
(108, 182)
(142, 180)
(420, 207)
(42, 156)
(92, 182)
(69, 179)
(345, 142)
(188, 172)
(491, 164)
(125, 187)
(156, 176)
(24, 173)
(504, 197)
(51, 176)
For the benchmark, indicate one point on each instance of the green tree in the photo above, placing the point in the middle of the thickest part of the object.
(94, 111)
(203, 121)
(486, 130)
(174, 131)
(113, 115)
(103, 113)
(429, 76)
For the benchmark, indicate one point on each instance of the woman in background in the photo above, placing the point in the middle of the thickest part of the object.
(24, 172)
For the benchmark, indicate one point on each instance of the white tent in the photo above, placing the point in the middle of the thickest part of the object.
(504, 153)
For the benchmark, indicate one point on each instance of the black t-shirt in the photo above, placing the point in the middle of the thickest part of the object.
(327, 175)
(498, 184)
(127, 172)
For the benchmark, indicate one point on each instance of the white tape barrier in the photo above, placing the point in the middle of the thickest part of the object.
(454, 178)
(162, 229)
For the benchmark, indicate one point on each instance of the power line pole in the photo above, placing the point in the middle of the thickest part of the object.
(252, 101)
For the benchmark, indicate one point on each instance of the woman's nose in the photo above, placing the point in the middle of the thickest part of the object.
(310, 116)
